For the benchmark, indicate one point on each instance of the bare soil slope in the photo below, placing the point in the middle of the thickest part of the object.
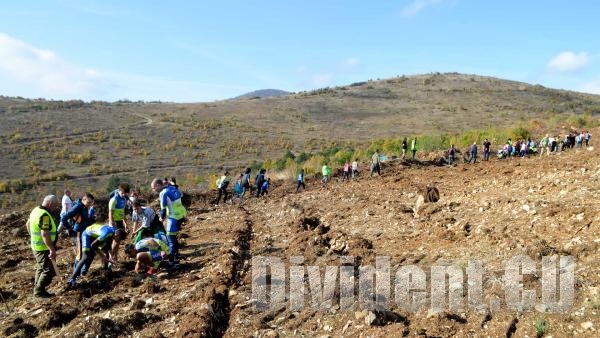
(487, 211)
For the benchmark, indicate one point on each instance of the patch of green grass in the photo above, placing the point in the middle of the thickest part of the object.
(541, 327)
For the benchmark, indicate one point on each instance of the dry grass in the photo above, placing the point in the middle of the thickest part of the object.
(48, 145)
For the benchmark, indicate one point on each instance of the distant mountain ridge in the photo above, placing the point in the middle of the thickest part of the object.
(262, 93)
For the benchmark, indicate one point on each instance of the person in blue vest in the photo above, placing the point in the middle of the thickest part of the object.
(173, 211)
(116, 212)
(97, 238)
(264, 189)
(41, 226)
(116, 207)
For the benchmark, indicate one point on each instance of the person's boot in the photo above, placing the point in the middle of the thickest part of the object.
(42, 293)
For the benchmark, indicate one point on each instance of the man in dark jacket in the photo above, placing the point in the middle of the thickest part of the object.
(473, 152)
(79, 217)
(260, 179)
(486, 149)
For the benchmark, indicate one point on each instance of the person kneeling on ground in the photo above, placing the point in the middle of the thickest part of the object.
(149, 254)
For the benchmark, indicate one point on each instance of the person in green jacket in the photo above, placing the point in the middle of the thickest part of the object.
(413, 148)
(326, 171)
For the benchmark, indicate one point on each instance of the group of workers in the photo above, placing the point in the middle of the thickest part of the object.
(153, 236)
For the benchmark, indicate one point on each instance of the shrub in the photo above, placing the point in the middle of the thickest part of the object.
(256, 166)
(113, 182)
(283, 162)
(314, 164)
(519, 133)
(468, 137)
(541, 326)
(82, 158)
(342, 156)
(303, 157)
(433, 142)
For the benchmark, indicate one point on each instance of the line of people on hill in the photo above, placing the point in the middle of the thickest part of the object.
(548, 144)
(521, 148)
(261, 184)
(244, 183)
(153, 235)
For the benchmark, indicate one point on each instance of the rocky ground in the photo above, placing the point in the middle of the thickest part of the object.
(488, 211)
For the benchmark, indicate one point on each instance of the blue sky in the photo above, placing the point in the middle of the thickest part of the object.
(198, 51)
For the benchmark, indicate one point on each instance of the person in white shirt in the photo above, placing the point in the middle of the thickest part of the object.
(66, 204)
(354, 168)
(222, 184)
(145, 218)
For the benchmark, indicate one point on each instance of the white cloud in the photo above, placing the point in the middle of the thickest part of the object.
(33, 72)
(417, 6)
(567, 62)
(351, 62)
(43, 73)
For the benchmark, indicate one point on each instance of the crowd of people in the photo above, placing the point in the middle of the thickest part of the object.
(152, 236)
(518, 148)
(244, 183)
(524, 147)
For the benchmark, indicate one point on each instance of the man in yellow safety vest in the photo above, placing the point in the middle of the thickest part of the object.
(42, 229)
